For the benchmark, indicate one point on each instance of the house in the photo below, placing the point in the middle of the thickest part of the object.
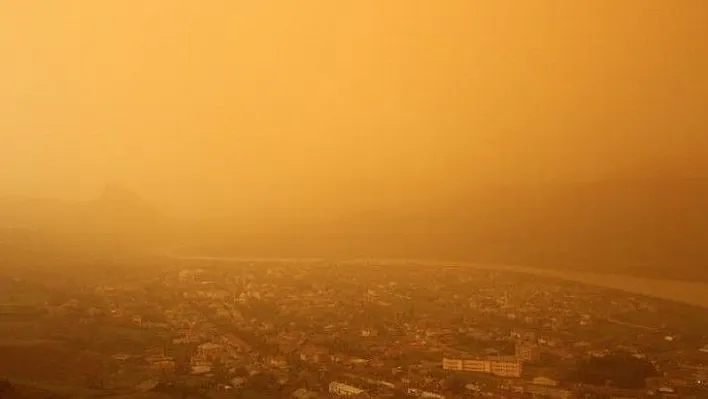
(161, 363)
(424, 394)
(121, 357)
(235, 343)
(238, 382)
(341, 389)
(369, 332)
(223, 313)
(211, 351)
(314, 354)
(191, 275)
(278, 362)
(200, 365)
(545, 381)
(187, 335)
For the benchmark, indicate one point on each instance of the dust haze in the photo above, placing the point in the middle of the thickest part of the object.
(452, 129)
(370, 199)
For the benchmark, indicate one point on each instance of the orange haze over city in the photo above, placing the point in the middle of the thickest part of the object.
(377, 199)
(321, 108)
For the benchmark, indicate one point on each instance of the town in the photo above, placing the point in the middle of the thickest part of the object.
(309, 329)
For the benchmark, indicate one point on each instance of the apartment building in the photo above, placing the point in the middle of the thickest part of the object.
(502, 367)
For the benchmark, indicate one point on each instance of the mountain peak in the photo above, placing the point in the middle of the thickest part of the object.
(117, 197)
(116, 191)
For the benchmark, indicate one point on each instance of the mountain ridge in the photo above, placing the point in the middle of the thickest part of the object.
(650, 225)
(118, 220)
(654, 226)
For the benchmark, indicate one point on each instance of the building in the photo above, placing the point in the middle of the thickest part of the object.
(502, 367)
(423, 394)
(506, 368)
(187, 335)
(314, 354)
(341, 389)
(528, 352)
(235, 343)
(369, 332)
(161, 363)
(471, 365)
(211, 351)
(278, 362)
(190, 276)
(547, 392)
(200, 365)
(545, 381)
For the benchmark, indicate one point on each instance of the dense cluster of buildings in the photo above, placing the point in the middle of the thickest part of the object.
(311, 330)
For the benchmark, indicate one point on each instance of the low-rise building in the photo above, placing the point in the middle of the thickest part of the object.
(211, 351)
(528, 352)
(342, 389)
(424, 394)
(235, 343)
(200, 365)
(545, 381)
(314, 354)
(161, 363)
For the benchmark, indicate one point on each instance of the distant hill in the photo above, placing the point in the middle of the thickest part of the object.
(648, 227)
(117, 220)
(635, 226)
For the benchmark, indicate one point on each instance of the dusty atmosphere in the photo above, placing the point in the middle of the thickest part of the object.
(372, 199)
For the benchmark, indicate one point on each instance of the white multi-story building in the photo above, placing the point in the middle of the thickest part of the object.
(506, 368)
(501, 367)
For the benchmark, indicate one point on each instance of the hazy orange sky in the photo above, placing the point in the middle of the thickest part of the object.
(249, 106)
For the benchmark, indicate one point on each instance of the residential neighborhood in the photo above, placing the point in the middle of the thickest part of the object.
(309, 329)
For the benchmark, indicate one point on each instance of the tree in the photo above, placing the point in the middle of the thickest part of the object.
(455, 383)
(618, 369)
(264, 382)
